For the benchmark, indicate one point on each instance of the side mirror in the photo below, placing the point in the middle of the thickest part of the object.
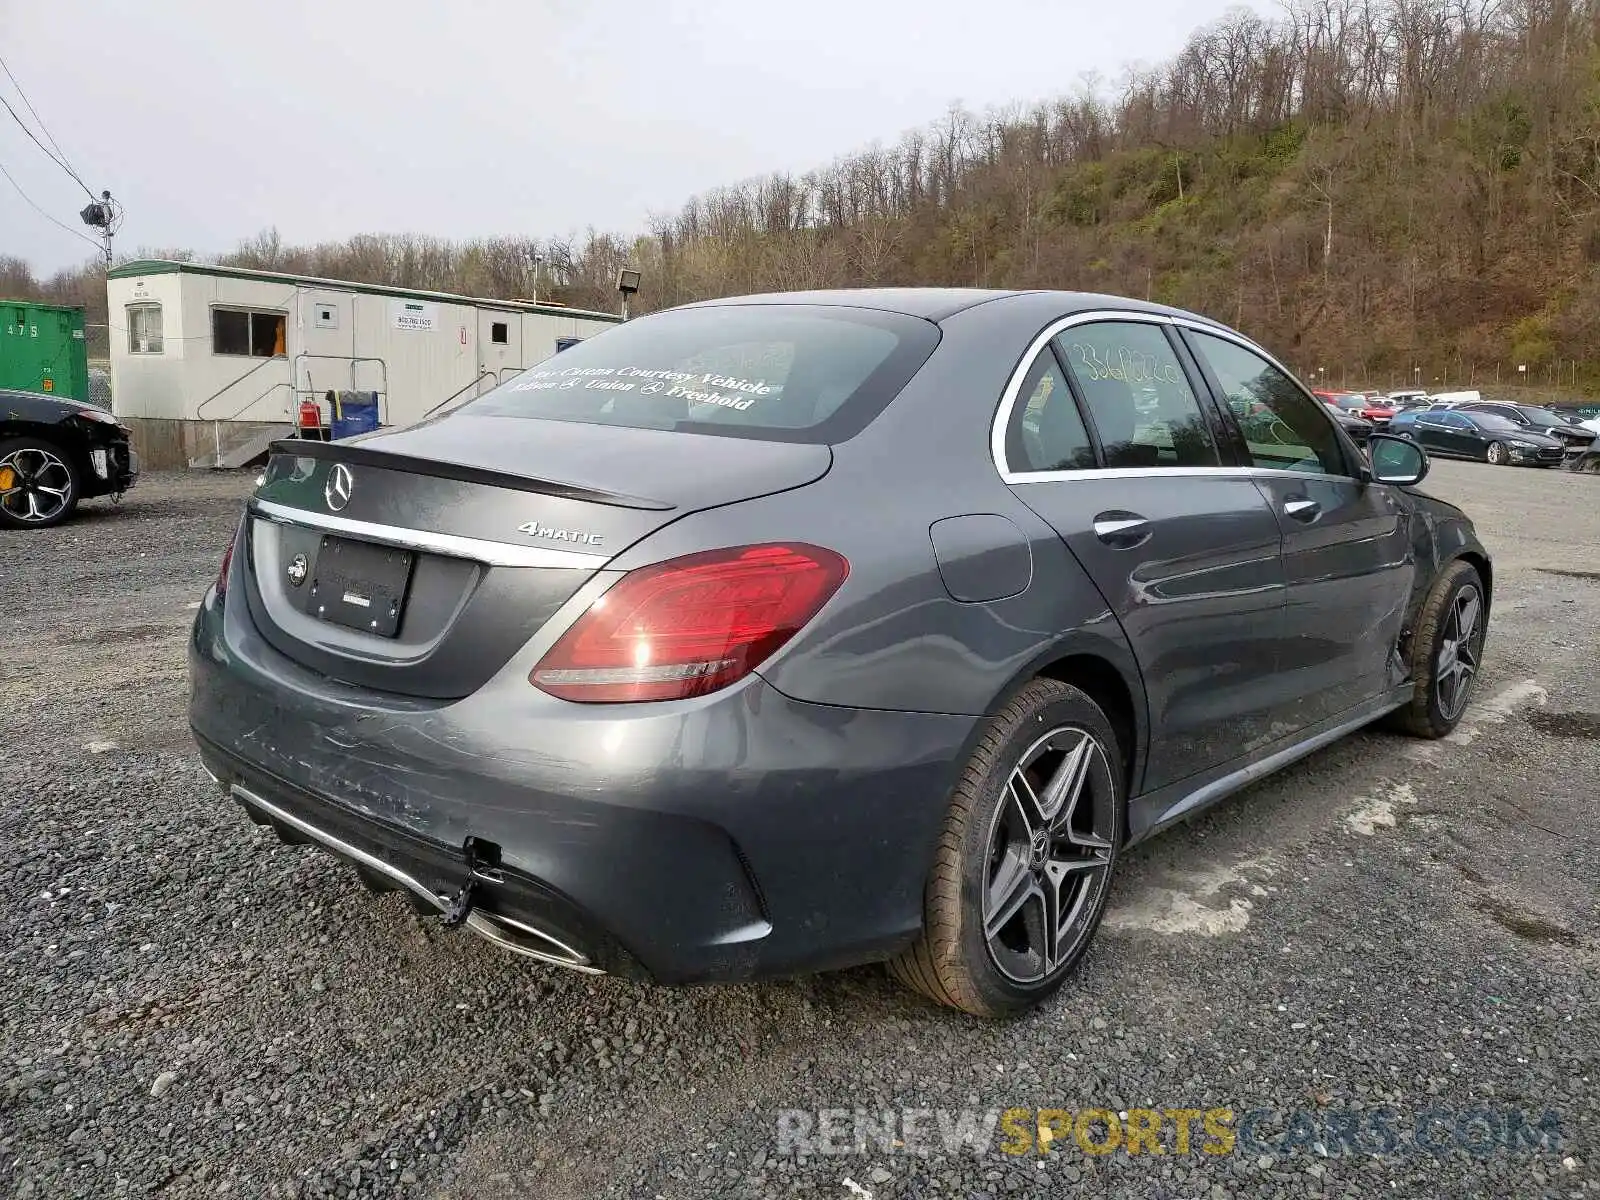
(1395, 460)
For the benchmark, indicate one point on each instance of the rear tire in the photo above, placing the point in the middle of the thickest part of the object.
(1495, 455)
(1023, 869)
(39, 486)
(1439, 652)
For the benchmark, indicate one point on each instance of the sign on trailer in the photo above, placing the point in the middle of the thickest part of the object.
(414, 314)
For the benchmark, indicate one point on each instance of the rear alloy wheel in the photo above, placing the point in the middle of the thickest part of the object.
(1496, 455)
(38, 485)
(1023, 870)
(1446, 654)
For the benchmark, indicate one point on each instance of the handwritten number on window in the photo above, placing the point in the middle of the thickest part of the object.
(1130, 366)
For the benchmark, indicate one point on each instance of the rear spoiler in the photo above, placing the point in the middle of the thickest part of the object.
(461, 472)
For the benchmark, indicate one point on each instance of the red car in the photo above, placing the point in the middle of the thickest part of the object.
(1377, 409)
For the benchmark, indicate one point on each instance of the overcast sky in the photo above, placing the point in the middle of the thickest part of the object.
(213, 120)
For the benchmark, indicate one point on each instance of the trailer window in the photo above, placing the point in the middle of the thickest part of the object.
(252, 334)
(498, 333)
(144, 328)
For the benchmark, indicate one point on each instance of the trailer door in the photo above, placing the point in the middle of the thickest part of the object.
(499, 346)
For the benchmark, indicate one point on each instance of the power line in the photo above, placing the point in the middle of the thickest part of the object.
(58, 162)
(60, 153)
(45, 215)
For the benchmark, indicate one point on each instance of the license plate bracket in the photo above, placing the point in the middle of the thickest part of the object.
(361, 585)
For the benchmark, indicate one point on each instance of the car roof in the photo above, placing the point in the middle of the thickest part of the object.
(939, 304)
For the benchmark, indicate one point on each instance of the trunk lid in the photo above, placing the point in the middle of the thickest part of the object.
(419, 561)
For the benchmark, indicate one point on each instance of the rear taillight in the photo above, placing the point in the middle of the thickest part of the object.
(690, 625)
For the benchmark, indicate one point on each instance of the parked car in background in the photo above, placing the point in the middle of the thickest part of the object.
(1357, 427)
(1378, 410)
(1451, 399)
(1371, 409)
(1408, 398)
(55, 452)
(1487, 437)
(647, 678)
(1575, 438)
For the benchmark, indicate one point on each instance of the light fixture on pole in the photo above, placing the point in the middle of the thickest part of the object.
(104, 214)
(627, 285)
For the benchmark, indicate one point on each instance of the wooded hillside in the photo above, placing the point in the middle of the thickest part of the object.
(1375, 188)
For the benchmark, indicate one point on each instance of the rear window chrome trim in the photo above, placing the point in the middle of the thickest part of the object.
(494, 554)
(1008, 401)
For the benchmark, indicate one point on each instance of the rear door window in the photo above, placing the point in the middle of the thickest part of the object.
(1138, 397)
(805, 373)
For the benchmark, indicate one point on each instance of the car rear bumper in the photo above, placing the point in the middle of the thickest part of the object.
(742, 835)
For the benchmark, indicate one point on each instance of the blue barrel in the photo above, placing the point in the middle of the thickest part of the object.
(353, 413)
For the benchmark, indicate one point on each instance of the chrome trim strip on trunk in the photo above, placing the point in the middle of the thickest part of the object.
(494, 554)
(502, 931)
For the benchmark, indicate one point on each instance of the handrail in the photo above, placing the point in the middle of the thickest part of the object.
(353, 360)
(199, 408)
(481, 374)
(216, 422)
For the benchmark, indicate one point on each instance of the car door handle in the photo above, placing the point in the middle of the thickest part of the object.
(1122, 530)
(1302, 508)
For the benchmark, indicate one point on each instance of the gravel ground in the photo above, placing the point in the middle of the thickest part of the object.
(191, 1008)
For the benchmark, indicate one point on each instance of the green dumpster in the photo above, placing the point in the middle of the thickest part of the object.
(42, 349)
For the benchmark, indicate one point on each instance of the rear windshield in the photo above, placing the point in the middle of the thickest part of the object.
(802, 373)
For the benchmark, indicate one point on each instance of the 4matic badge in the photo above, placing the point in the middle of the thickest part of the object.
(551, 534)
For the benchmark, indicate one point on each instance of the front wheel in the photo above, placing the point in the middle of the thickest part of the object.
(1496, 455)
(38, 484)
(1023, 869)
(1446, 653)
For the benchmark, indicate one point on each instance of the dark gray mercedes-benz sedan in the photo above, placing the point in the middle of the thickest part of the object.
(781, 633)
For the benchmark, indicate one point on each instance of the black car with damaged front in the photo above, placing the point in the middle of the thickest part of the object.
(56, 452)
(1531, 418)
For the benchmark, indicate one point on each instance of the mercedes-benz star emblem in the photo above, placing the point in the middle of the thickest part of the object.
(297, 569)
(340, 484)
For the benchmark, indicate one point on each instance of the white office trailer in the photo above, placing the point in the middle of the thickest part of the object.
(209, 364)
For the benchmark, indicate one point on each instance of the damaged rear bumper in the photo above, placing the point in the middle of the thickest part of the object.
(390, 867)
(743, 835)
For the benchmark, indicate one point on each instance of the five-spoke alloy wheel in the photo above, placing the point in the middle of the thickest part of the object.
(1049, 854)
(1446, 652)
(1023, 869)
(1460, 646)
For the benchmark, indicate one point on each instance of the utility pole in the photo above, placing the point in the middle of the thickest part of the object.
(104, 214)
